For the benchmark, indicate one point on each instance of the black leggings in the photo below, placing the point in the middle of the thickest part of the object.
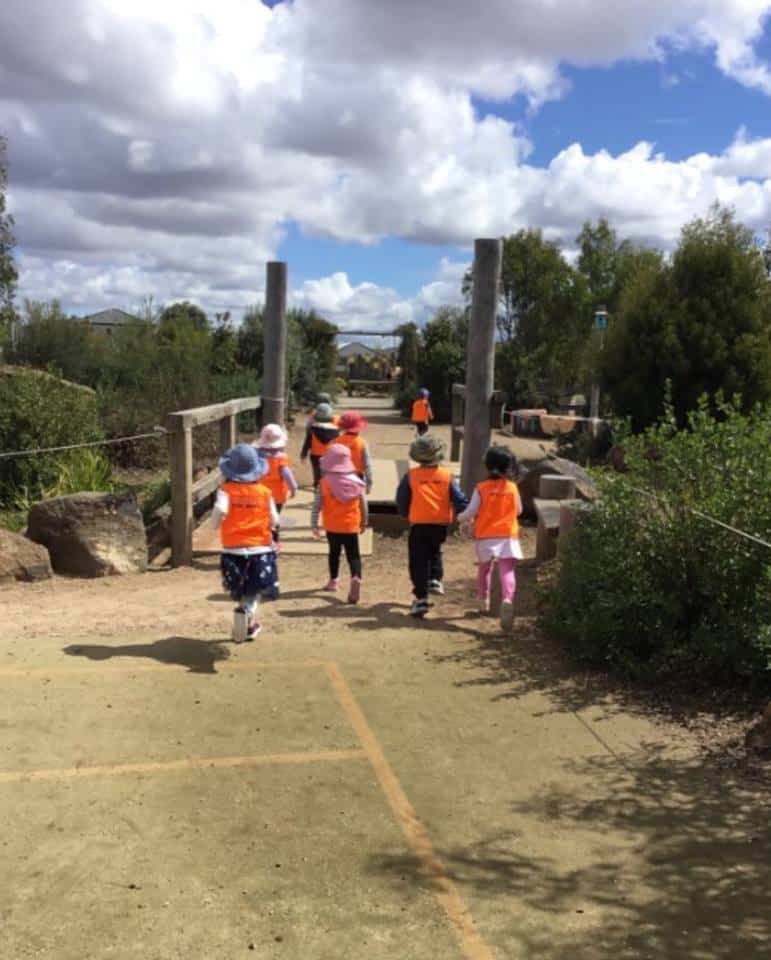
(349, 542)
(425, 552)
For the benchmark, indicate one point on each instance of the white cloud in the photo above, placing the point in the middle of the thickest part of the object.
(162, 147)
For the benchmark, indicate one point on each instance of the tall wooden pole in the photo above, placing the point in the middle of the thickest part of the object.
(274, 330)
(480, 360)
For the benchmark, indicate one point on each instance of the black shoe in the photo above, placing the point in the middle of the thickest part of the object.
(419, 608)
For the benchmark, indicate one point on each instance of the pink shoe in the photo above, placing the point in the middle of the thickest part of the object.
(355, 591)
(332, 587)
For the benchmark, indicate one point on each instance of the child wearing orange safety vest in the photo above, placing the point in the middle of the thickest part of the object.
(429, 497)
(246, 516)
(422, 414)
(279, 479)
(352, 424)
(320, 432)
(494, 511)
(342, 505)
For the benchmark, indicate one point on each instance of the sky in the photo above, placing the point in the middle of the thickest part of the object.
(169, 149)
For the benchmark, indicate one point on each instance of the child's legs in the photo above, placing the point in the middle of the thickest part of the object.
(251, 605)
(420, 550)
(335, 547)
(352, 553)
(484, 577)
(508, 579)
(277, 530)
(421, 428)
(436, 566)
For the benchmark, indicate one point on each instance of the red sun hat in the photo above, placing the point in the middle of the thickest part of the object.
(352, 422)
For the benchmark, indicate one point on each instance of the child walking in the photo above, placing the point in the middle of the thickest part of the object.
(320, 433)
(494, 510)
(352, 424)
(246, 516)
(343, 507)
(429, 497)
(279, 479)
(422, 414)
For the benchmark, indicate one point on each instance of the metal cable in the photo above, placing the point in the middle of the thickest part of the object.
(156, 434)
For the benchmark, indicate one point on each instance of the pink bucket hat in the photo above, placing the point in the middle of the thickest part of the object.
(337, 460)
(352, 422)
(272, 437)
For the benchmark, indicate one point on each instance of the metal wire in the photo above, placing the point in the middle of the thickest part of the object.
(156, 434)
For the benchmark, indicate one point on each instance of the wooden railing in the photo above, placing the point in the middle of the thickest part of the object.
(185, 493)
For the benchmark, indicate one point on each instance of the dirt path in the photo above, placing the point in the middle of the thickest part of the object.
(353, 784)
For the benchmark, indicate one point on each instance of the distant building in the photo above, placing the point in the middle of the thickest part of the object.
(356, 361)
(108, 321)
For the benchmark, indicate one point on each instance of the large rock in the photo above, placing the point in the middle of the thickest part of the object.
(21, 559)
(586, 489)
(91, 534)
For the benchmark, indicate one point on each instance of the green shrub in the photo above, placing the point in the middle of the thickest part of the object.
(648, 584)
(37, 411)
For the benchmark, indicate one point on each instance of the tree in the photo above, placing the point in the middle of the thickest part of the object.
(702, 322)
(50, 340)
(250, 342)
(8, 273)
(607, 265)
(443, 357)
(179, 317)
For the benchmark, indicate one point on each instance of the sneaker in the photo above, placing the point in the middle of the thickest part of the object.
(332, 587)
(355, 592)
(419, 608)
(239, 625)
(436, 586)
(253, 631)
(484, 605)
(507, 615)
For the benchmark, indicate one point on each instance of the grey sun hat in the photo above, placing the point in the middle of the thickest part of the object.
(323, 413)
(429, 449)
(243, 464)
(323, 398)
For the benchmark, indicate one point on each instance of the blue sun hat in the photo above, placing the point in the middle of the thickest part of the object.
(423, 392)
(243, 464)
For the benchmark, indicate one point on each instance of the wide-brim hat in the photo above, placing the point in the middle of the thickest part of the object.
(427, 449)
(353, 422)
(243, 464)
(323, 413)
(272, 437)
(323, 398)
(423, 392)
(337, 459)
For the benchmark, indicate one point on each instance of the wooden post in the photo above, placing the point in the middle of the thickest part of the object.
(274, 360)
(457, 421)
(181, 473)
(480, 360)
(227, 432)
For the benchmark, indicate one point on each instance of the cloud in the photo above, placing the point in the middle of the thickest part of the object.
(163, 147)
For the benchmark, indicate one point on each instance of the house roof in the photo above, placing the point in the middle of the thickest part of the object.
(356, 350)
(113, 317)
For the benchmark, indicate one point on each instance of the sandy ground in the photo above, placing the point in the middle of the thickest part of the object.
(352, 784)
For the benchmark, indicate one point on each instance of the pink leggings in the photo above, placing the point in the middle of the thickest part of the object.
(505, 572)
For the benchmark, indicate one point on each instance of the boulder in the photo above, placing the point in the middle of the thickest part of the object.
(759, 737)
(91, 534)
(21, 559)
(586, 489)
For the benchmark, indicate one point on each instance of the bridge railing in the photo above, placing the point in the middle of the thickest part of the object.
(184, 492)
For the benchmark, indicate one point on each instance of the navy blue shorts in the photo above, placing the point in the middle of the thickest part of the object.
(249, 577)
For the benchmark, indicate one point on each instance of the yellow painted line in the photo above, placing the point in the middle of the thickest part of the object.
(190, 763)
(224, 666)
(443, 887)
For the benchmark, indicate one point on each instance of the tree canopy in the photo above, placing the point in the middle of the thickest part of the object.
(8, 272)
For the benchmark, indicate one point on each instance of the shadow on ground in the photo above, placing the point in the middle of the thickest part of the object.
(680, 867)
(199, 656)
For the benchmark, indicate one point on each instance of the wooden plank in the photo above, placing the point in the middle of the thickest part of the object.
(197, 416)
(206, 486)
(227, 432)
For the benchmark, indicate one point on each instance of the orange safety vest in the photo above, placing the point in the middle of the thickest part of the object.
(421, 411)
(273, 480)
(318, 449)
(430, 489)
(339, 516)
(501, 505)
(247, 523)
(356, 444)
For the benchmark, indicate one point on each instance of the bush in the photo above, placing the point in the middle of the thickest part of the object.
(38, 410)
(649, 585)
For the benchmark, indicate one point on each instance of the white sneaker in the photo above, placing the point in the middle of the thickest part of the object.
(507, 615)
(436, 586)
(240, 625)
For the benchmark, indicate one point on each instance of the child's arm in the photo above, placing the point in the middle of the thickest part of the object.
(364, 513)
(367, 468)
(458, 498)
(220, 511)
(404, 496)
(430, 412)
(307, 441)
(275, 516)
(315, 512)
(471, 511)
(288, 477)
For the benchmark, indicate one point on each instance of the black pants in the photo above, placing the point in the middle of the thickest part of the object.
(425, 545)
(277, 531)
(349, 541)
(316, 468)
(421, 428)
